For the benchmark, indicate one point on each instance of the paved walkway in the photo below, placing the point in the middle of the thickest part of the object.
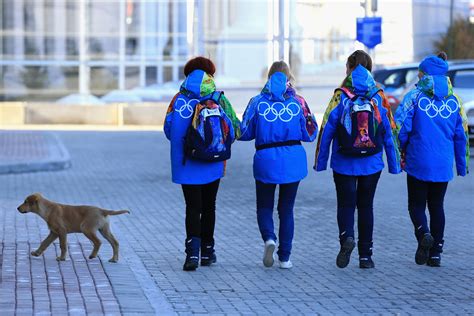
(29, 151)
(131, 170)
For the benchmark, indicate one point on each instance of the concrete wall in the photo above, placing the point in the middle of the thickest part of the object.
(18, 113)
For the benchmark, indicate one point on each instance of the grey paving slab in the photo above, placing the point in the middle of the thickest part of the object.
(32, 151)
(131, 170)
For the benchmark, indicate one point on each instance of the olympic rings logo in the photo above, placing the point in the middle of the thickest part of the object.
(185, 108)
(278, 110)
(432, 108)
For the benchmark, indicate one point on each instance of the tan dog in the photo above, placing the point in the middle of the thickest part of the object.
(64, 219)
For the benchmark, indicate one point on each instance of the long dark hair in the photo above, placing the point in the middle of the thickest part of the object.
(359, 57)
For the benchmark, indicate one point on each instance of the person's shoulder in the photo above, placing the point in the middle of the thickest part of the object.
(257, 99)
(300, 99)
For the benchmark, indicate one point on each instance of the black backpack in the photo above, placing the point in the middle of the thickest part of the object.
(359, 132)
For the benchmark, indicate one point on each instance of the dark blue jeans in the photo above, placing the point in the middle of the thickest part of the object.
(421, 193)
(286, 202)
(352, 192)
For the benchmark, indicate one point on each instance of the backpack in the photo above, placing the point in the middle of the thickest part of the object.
(211, 134)
(359, 132)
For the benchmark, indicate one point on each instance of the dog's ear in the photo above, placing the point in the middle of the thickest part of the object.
(33, 199)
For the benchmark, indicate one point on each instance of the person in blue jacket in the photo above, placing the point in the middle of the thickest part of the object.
(199, 179)
(278, 119)
(432, 134)
(356, 177)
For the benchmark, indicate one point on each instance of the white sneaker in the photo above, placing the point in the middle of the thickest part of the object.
(285, 264)
(268, 253)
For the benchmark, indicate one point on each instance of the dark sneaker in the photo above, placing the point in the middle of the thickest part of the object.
(423, 250)
(366, 263)
(191, 263)
(434, 261)
(344, 254)
(208, 260)
(208, 254)
(192, 253)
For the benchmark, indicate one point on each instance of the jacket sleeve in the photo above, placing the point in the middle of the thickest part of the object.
(461, 143)
(390, 145)
(169, 117)
(327, 132)
(404, 119)
(309, 126)
(249, 122)
(229, 110)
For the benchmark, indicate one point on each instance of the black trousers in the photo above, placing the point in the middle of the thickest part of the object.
(201, 210)
(352, 192)
(421, 193)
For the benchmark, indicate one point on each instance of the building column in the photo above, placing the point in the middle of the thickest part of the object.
(19, 27)
(84, 75)
(122, 35)
(60, 29)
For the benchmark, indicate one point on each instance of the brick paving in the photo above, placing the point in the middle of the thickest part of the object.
(28, 151)
(131, 170)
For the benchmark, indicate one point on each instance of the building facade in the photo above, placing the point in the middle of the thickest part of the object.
(52, 48)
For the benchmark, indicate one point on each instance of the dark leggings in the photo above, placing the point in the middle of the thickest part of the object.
(352, 192)
(201, 210)
(421, 193)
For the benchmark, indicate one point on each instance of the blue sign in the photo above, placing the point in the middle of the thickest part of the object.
(369, 31)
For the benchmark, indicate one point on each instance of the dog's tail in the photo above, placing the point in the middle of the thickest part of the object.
(107, 212)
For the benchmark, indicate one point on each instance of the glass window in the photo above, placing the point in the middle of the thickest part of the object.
(150, 75)
(104, 47)
(464, 79)
(103, 79)
(132, 77)
(411, 75)
(37, 83)
(132, 46)
(103, 18)
(395, 79)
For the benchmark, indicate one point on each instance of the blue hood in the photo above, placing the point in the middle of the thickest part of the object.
(278, 88)
(197, 84)
(437, 87)
(361, 82)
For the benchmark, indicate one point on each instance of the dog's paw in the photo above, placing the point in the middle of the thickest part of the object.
(35, 253)
(92, 257)
(113, 260)
(60, 259)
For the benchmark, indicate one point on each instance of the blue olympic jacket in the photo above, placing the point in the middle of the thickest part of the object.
(197, 85)
(433, 131)
(278, 114)
(360, 82)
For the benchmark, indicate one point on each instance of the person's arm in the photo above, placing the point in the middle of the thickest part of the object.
(169, 118)
(249, 121)
(461, 142)
(309, 126)
(229, 111)
(327, 132)
(389, 140)
(404, 118)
